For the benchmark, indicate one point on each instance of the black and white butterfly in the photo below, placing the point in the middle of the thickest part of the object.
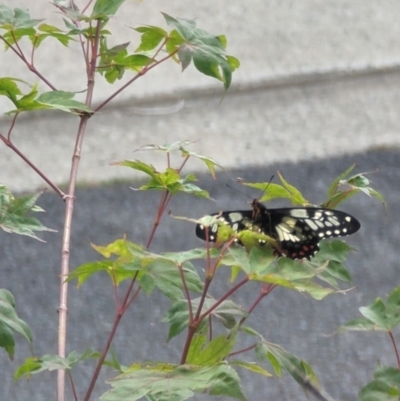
(297, 230)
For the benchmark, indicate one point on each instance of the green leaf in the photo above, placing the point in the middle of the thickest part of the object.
(295, 194)
(179, 384)
(9, 322)
(206, 50)
(150, 38)
(261, 265)
(353, 185)
(23, 102)
(7, 339)
(377, 313)
(252, 367)
(213, 352)
(197, 253)
(83, 272)
(336, 182)
(9, 88)
(13, 214)
(49, 362)
(181, 146)
(384, 387)
(275, 191)
(178, 315)
(17, 18)
(62, 101)
(360, 324)
(106, 8)
(281, 359)
(169, 180)
(330, 262)
(152, 270)
(380, 316)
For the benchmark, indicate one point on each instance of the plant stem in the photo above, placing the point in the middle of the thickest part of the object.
(9, 144)
(223, 298)
(395, 348)
(145, 70)
(243, 350)
(103, 356)
(69, 207)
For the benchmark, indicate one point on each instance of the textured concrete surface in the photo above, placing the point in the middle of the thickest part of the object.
(344, 362)
(317, 78)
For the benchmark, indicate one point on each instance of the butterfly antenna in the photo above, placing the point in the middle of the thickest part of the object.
(237, 190)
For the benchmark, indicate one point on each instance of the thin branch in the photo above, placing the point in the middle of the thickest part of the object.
(186, 291)
(395, 348)
(33, 51)
(136, 293)
(8, 143)
(262, 295)
(19, 49)
(223, 298)
(144, 71)
(12, 126)
(103, 357)
(183, 163)
(157, 217)
(242, 350)
(21, 56)
(31, 67)
(202, 300)
(72, 385)
(86, 7)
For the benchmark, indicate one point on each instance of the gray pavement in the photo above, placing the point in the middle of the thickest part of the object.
(304, 326)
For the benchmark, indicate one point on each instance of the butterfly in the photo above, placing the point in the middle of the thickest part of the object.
(296, 230)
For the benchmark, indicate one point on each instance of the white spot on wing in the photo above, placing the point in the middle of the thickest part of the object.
(299, 213)
(235, 216)
(312, 225)
(334, 221)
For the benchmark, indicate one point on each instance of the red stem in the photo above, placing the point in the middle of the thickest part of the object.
(144, 71)
(186, 292)
(72, 385)
(103, 356)
(395, 348)
(263, 293)
(9, 144)
(242, 350)
(223, 298)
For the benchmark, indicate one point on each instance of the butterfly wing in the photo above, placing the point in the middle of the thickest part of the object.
(238, 220)
(299, 230)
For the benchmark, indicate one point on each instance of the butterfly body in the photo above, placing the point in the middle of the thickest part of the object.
(297, 230)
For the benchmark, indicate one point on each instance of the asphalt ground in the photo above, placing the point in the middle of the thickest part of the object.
(344, 362)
